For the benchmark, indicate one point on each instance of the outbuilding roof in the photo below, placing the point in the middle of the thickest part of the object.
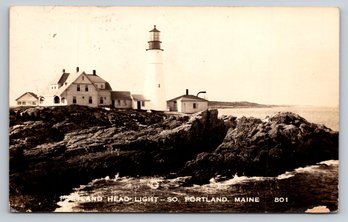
(188, 98)
(139, 97)
(126, 95)
(30, 93)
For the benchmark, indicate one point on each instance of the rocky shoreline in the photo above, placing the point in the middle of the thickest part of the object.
(53, 149)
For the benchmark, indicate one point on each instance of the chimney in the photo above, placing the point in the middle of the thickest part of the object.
(94, 72)
(63, 70)
(187, 91)
(77, 69)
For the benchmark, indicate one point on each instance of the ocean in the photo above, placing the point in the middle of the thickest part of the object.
(311, 188)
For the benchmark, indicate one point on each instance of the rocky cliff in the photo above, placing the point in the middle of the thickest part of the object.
(53, 149)
(268, 147)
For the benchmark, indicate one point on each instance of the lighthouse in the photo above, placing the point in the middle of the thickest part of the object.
(154, 89)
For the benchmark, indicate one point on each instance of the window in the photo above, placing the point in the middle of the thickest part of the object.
(19, 103)
(143, 103)
(33, 103)
(56, 100)
(83, 97)
(101, 101)
(78, 87)
(156, 36)
(62, 100)
(83, 78)
(195, 105)
(90, 101)
(125, 102)
(86, 88)
(159, 85)
(74, 100)
(23, 103)
(119, 102)
(101, 86)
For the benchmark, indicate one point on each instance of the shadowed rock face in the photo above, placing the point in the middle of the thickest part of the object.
(265, 147)
(57, 148)
(53, 149)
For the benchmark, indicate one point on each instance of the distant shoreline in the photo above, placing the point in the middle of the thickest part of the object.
(243, 104)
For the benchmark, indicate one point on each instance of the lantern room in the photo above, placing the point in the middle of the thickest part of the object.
(154, 39)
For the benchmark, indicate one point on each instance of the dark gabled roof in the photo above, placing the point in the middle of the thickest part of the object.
(188, 97)
(70, 79)
(60, 79)
(30, 93)
(63, 78)
(126, 95)
(107, 86)
(95, 78)
(138, 97)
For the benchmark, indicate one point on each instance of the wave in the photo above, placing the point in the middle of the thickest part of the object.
(67, 203)
(286, 175)
(319, 167)
(215, 186)
(222, 185)
(330, 162)
(129, 185)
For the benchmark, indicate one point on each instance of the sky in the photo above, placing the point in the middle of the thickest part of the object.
(279, 56)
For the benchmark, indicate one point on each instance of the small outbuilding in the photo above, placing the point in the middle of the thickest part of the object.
(28, 99)
(187, 104)
(121, 99)
(140, 102)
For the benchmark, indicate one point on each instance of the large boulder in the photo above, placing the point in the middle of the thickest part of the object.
(265, 147)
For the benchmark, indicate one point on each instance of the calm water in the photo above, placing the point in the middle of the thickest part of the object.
(311, 188)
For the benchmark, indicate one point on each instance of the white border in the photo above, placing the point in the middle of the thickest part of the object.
(4, 30)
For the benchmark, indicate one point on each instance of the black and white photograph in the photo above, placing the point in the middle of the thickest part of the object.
(174, 109)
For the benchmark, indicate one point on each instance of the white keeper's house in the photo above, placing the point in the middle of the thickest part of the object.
(87, 89)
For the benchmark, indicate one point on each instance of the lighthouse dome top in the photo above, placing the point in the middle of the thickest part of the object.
(154, 29)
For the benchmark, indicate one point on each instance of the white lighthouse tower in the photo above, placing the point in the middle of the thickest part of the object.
(154, 89)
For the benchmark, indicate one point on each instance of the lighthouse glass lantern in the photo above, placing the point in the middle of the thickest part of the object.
(154, 39)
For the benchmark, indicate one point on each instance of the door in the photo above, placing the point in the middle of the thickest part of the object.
(138, 105)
